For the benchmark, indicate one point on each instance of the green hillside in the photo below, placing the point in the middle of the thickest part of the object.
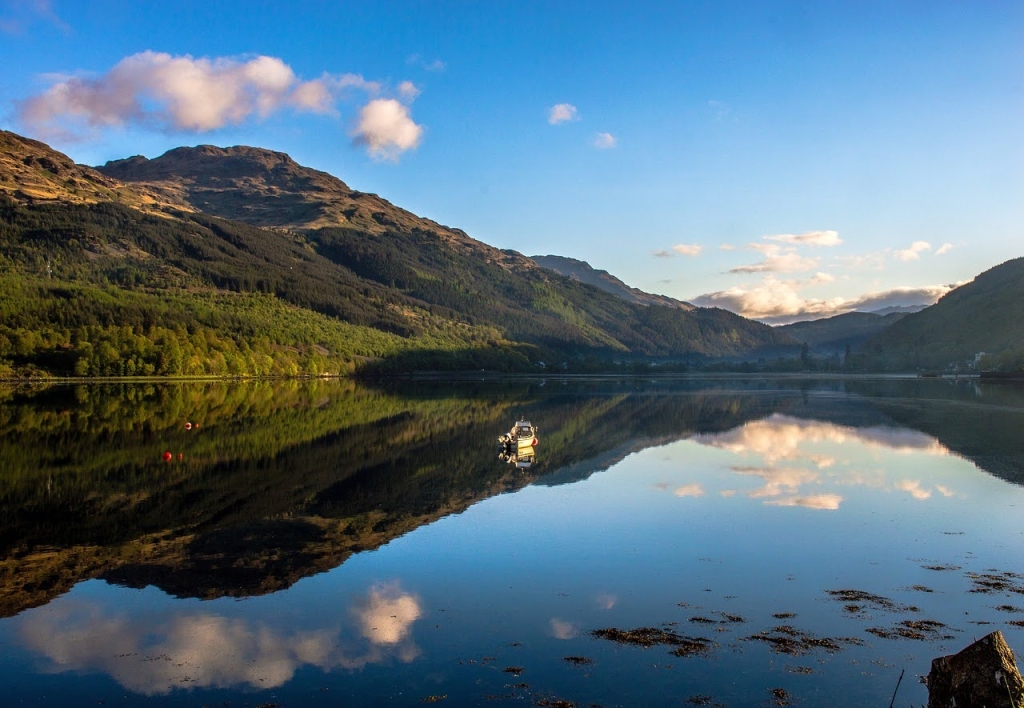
(832, 335)
(985, 315)
(96, 287)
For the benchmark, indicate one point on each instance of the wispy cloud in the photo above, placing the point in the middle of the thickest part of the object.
(913, 487)
(810, 238)
(435, 65)
(562, 113)
(386, 129)
(726, 247)
(662, 254)
(777, 260)
(720, 109)
(943, 249)
(605, 141)
(23, 13)
(825, 502)
(688, 249)
(561, 629)
(408, 91)
(914, 252)
(689, 490)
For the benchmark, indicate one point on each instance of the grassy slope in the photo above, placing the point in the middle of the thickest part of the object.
(985, 315)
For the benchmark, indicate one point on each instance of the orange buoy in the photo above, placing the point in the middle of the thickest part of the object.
(167, 457)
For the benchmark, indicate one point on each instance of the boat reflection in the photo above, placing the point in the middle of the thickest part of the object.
(521, 457)
(517, 445)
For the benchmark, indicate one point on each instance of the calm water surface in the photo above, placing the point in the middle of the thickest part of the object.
(340, 543)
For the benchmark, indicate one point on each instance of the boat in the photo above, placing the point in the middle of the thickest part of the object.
(522, 434)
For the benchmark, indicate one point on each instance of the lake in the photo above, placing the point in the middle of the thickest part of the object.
(734, 541)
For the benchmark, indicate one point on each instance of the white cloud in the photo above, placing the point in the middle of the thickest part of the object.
(914, 252)
(689, 490)
(811, 238)
(184, 93)
(943, 249)
(386, 129)
(560, 629)
(206, 650)
(778, 301)
(387, 615)
(408, 91)
(726, 247)
(605, 141)
(777, 260)
(827, 502)
(685, 249)
(561, 113)
(913, 487)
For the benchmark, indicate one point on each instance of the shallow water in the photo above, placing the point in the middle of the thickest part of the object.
(334, 542)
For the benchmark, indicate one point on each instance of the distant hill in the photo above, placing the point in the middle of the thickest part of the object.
(984, 315)
(832, 335)
(585, 273)
(903, 309)
(238, 260)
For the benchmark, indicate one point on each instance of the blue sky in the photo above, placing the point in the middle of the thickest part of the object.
(780, 159)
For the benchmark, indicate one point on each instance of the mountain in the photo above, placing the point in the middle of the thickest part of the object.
(984, 315)
(904, 309)
(240, 261)
(33, 171)
(832, 335)
(268, 189)
(585, 273)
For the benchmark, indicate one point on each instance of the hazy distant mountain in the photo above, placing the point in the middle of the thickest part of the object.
(904, 309)
(239, 260)
(585, 273)
(984, 315)
(832, 335)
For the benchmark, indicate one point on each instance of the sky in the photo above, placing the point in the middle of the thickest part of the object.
(784, 160)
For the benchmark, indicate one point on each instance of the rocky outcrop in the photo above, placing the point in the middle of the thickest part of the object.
(983, 674)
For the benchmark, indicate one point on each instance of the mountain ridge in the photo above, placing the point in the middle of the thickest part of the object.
(301, 240)
(585, 273)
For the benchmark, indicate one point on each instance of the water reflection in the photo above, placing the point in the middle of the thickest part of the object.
(282, 481)
(155, 655)
(794, 457)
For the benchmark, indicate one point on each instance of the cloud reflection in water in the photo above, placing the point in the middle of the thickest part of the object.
(795, 457)
(154, 656)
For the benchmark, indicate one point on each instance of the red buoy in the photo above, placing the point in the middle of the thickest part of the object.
(167, 457)
(535, 442)
(180, 455)
(188, 426)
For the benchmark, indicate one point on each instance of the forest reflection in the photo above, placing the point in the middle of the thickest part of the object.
(279, 480)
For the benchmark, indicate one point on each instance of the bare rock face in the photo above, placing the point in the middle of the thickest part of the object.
(983, 674)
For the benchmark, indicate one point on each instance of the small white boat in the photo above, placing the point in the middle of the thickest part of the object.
(522, 434)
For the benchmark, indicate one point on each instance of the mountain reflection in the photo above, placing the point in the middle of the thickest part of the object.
(285, 479)
(154, 656)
